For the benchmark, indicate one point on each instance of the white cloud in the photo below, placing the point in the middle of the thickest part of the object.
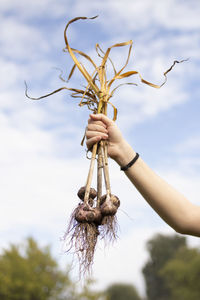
(191, 144)
(176, 15)
(19, 40)
(185, 181)
(138, 104)
(30, 10)
(138, 15)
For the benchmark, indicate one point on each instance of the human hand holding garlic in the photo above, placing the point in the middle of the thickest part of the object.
(100, 127)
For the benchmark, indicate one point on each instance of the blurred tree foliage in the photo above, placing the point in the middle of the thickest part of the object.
(182, 274)
(121, 292)
(30, 273)
(161, 249)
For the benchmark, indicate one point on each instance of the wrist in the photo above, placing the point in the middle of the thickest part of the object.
(125, 154)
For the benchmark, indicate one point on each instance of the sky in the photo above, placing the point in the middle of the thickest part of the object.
(42, 164)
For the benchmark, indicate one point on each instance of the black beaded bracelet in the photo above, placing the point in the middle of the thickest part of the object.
(130, 163)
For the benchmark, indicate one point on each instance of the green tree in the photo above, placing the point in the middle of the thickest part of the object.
(182, 274)
(161, 249)
(121, 291)
(30, 273)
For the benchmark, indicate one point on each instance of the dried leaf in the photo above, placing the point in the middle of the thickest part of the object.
(82, 70)
(114, 111)
(71, 72)
(96, 97)
(44, 96)
(98, 47)
(127, 83)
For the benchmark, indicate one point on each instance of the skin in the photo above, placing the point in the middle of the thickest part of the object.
(179, 213)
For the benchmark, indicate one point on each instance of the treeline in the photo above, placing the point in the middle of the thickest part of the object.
(29, 272)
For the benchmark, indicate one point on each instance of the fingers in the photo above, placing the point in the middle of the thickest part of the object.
(95, 136)
(90, 142)
(97, 129)
(92, 121)
(101, 118)
(90, 134)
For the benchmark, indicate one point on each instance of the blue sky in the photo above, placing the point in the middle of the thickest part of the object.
(42, 164)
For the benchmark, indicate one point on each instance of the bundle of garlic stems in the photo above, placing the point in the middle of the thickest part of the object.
(95, 214)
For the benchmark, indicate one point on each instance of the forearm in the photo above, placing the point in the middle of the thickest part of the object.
(171, 205)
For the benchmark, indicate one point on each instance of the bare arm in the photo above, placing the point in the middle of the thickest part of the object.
(171, 205)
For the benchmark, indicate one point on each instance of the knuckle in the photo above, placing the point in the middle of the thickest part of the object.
(102, 124)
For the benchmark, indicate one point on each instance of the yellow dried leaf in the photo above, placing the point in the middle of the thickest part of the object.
(97, 93)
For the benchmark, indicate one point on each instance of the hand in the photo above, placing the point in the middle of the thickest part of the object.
(100, 127)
